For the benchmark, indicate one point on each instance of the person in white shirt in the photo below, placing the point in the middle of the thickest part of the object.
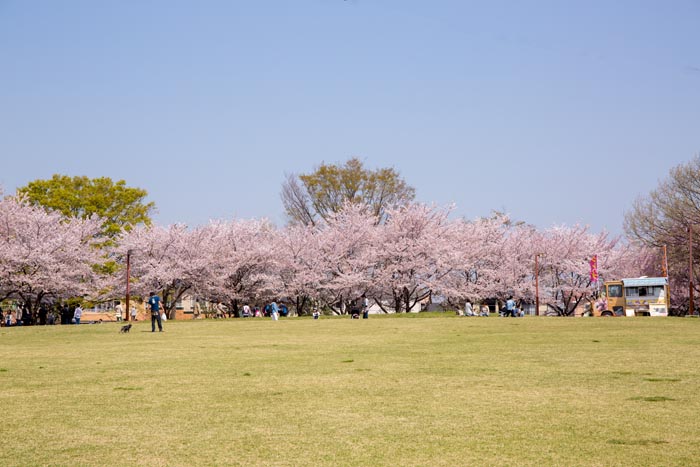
(77, 314)
(119, 311)
(468, 309)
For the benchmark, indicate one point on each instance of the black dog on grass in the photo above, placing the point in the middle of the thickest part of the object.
(126, 328)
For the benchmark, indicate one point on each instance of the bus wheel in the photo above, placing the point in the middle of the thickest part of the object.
(606, 313)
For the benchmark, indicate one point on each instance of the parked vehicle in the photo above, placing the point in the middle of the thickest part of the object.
(643, 296)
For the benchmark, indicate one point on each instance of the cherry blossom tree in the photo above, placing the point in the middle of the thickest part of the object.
(242, 262)
(346, 245)
(513, 272)
(414, 252)
(46, 256)
(474, 246)
(679, 288)
(299, 255)
(171, 259)
(565, 280)
(631, 259)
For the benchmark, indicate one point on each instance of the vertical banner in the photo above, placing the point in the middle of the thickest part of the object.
(594, 268)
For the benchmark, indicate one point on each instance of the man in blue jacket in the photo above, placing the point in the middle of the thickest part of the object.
(154, 304)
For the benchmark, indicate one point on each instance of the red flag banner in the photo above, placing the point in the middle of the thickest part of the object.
(594, 268)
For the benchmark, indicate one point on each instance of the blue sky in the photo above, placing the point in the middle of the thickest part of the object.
(557, 112)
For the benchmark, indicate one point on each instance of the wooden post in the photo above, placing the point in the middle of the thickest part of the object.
(537, 286)
(128, 284)
(691, 305)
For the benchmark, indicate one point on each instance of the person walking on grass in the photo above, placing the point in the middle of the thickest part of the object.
(119, 312)
(77, 314)
(154, 304)
(510, 307)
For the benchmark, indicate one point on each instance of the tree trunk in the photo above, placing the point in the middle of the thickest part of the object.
(407, 299)
(380, 304)
(397, 301)
(171, 295)
(300, 303)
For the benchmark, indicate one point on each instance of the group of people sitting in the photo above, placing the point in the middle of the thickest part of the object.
(511, 308)
(469, 310)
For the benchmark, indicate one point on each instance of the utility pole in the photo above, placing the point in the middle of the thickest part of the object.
(128, 283)
(691, 305)
(537, 286)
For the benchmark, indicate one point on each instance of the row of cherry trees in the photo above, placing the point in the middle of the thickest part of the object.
(417, 253)
(45, 257)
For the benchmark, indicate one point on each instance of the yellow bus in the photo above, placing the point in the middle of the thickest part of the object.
(643, 296)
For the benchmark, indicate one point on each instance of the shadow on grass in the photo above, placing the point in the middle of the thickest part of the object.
(637, 442)
(651, 399)
(629, 373)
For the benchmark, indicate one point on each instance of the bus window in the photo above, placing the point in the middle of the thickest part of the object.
(642, 291)
(615, 290)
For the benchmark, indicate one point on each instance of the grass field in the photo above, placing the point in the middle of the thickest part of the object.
(426, 390)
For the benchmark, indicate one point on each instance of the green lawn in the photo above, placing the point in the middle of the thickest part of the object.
(427, 390)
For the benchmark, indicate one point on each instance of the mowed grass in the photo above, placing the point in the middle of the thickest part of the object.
(427, 390)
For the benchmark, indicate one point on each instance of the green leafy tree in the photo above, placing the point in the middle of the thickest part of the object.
(121, 207)
(308, 198)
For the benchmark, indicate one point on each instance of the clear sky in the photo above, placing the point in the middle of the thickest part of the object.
(557, 112)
